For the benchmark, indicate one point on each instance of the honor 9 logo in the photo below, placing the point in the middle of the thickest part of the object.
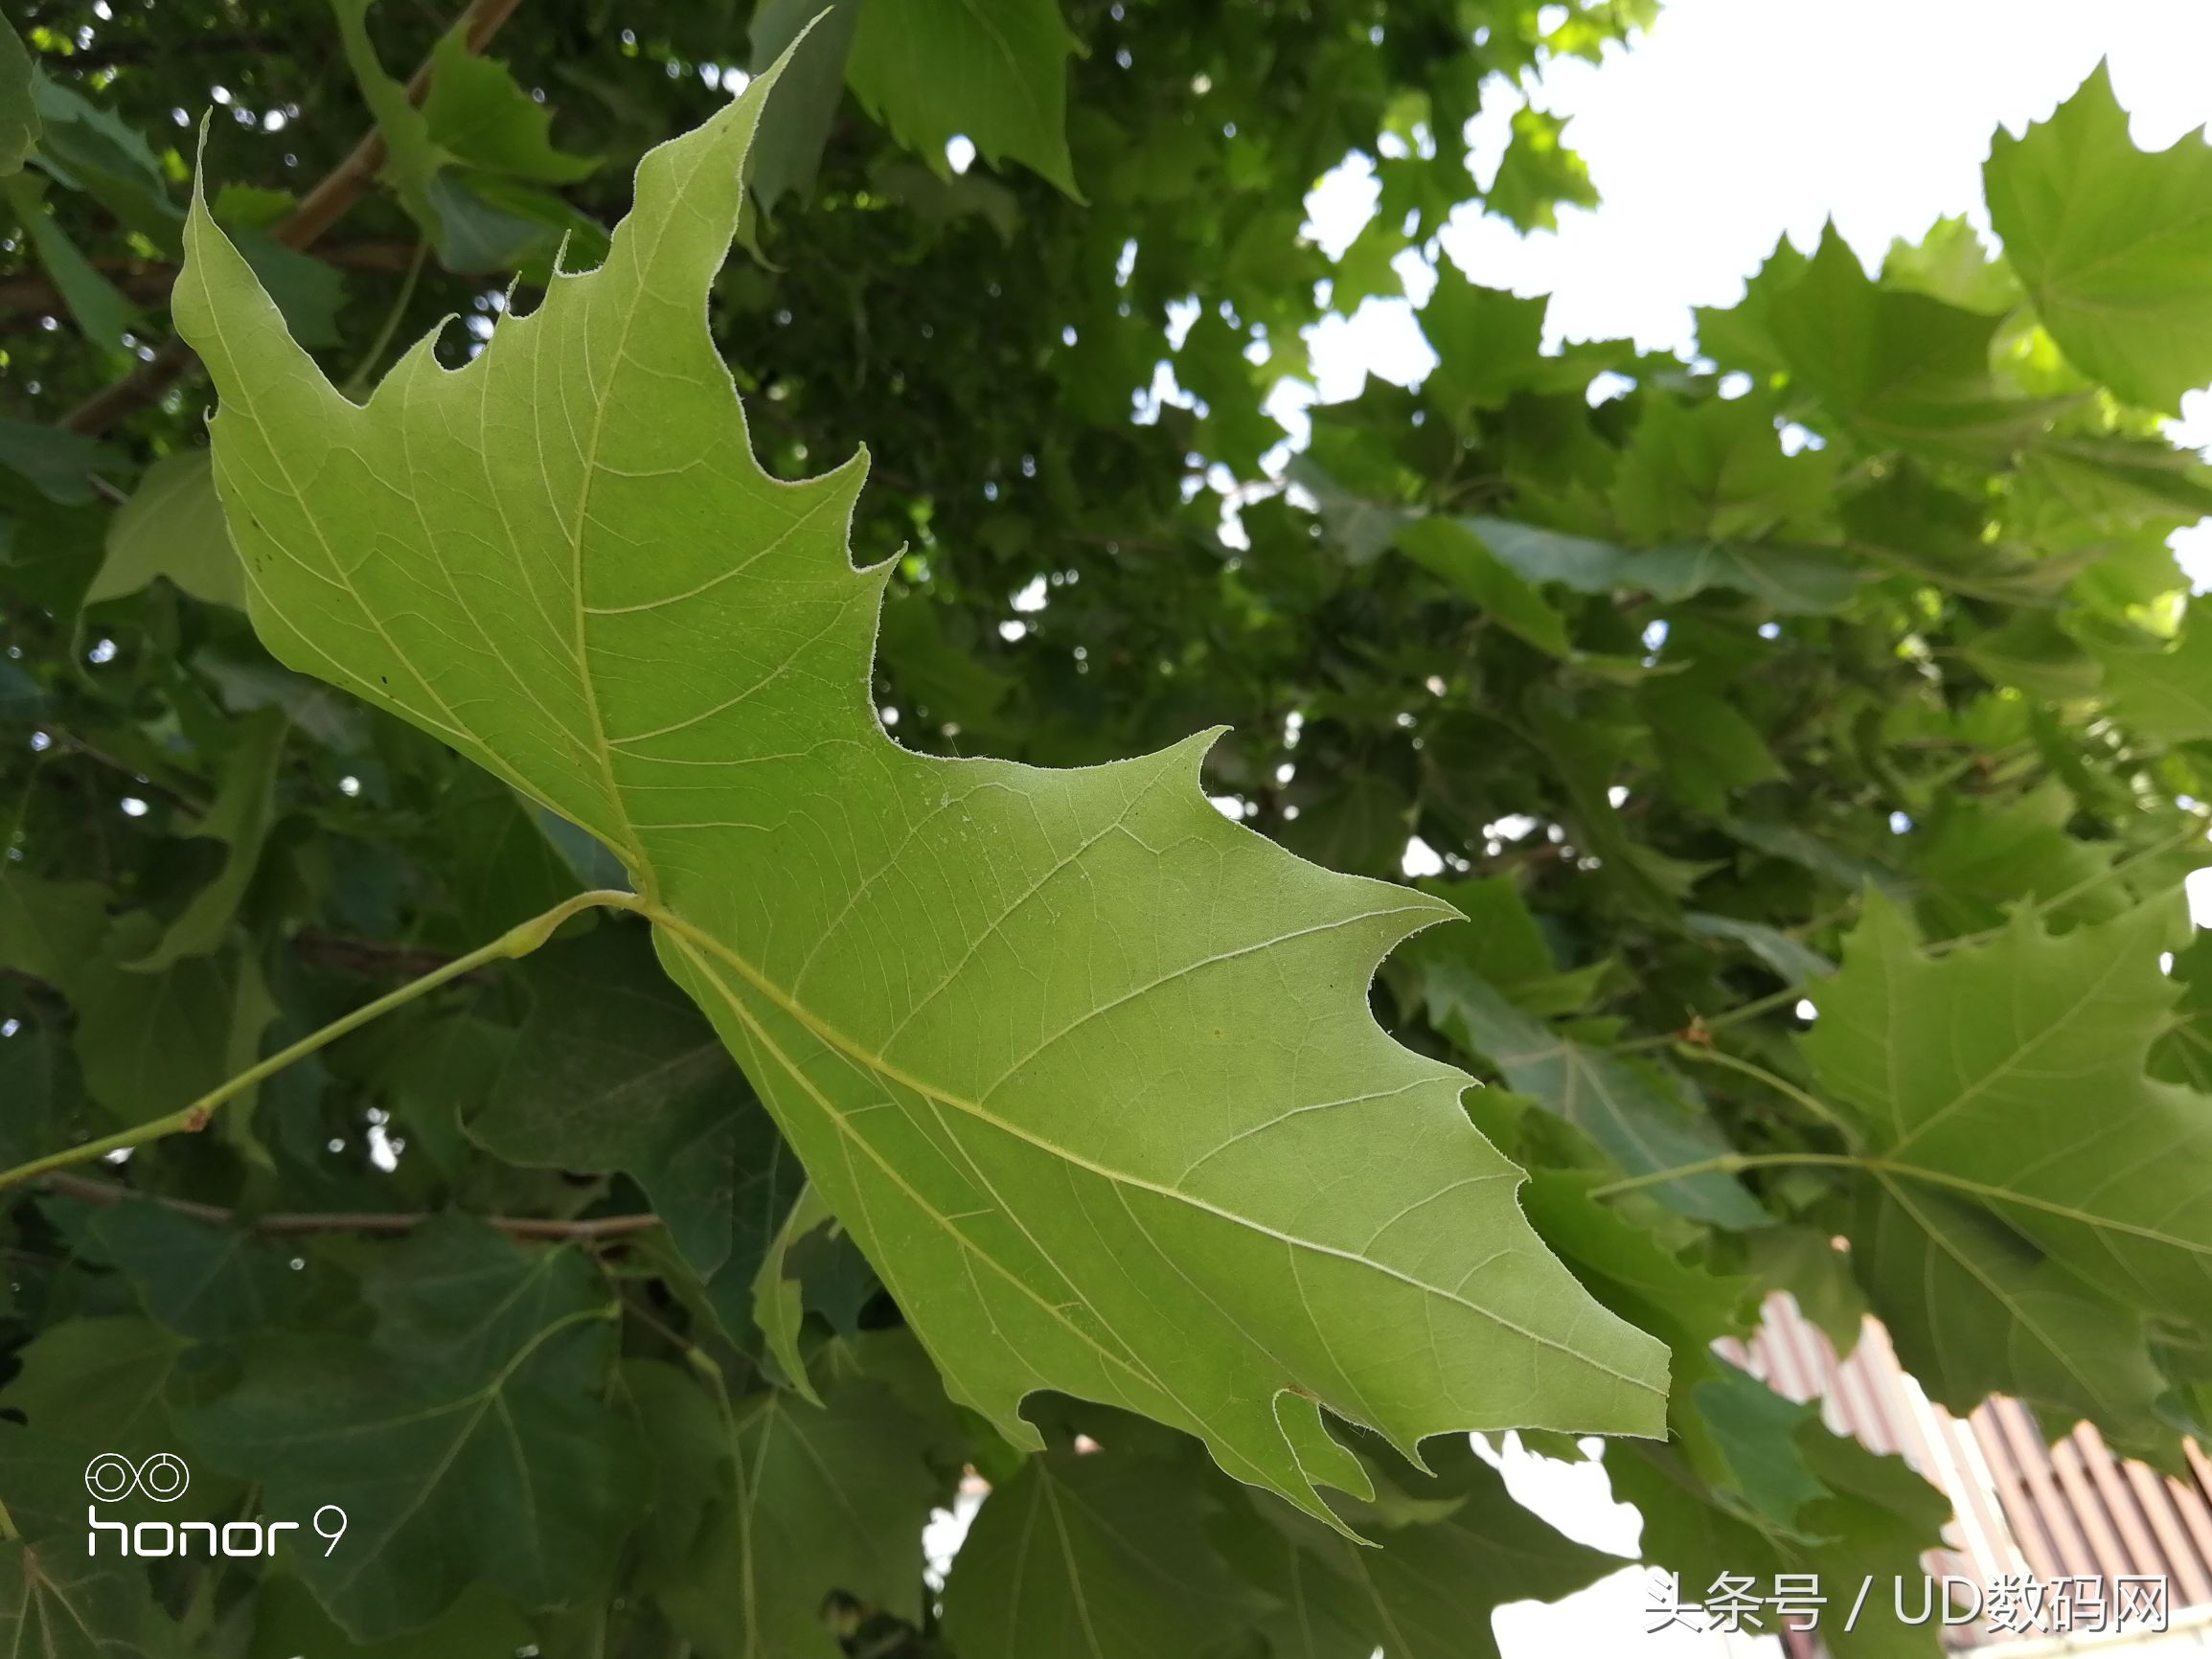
(163, 1477)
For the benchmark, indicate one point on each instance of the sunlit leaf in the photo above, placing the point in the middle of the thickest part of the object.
(2111, 242)
(565, 564)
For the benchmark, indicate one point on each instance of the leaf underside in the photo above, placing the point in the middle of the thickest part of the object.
(1086, 1070)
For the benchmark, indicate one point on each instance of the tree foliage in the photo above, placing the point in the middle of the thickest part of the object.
(909, 1072)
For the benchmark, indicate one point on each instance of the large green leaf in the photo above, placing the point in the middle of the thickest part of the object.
(1061, 1048)
(290, 1625)
(55, 1600)
(2010, 1118)
(99, 1381)
(2111, 243)
(1976, 1309)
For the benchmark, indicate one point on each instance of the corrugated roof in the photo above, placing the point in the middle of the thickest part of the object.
(2070, 1510)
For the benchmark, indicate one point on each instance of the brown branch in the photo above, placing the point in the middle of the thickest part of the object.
(321, 208)
(332, 1221)
(148, 281)
(342, 186)
(369, 958)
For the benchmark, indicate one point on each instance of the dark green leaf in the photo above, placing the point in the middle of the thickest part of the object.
(992, 70)
(616, 1069)
(172, 526)
(1094, 1555)
(821, 1503)
(1629, 1107)
(440, 1438)
(796, 125)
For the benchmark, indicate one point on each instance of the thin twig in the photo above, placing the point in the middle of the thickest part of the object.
(368, 958)
(1752, 1009)
(1728, 1164)
(321, 208)
(596, 1227)
(374, 355)
(148, 281)
(1781, 1085)
(519, 941)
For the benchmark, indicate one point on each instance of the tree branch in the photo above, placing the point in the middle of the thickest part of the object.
(148, 281)
(369, 958)
(318, 210)
(368, 1222)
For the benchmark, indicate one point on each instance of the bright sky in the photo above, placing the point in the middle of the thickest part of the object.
(1736, 122)
(1733, 123)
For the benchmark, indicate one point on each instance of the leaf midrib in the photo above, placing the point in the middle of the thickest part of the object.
(892, 1072)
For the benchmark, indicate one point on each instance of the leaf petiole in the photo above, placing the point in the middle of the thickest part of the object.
(1727, 1164)
(1736, 1015)
(516, 941)
(1781, 1085)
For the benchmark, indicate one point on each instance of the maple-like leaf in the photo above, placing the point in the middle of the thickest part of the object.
(2031, 1194)
(2110, 244)
(1086, 1070)
(1897, 368)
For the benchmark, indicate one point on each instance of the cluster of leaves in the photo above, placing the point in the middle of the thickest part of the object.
(1846, 664)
